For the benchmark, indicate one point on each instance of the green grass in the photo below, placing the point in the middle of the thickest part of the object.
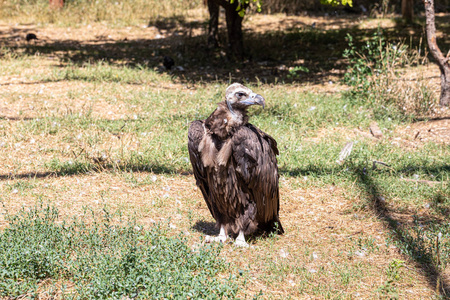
(105, 260)
(104, 72)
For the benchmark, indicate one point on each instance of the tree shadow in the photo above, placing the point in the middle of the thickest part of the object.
(273, 55)
(78, 168)
(402, 225)
(442, 22)
(431, 119)
(24, 82)
(419, 251)
(15, 118)
(28, 175)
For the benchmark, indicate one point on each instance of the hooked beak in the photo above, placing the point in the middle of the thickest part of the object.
(254, 99)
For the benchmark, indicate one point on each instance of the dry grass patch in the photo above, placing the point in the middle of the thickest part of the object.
(435, 130)
(40, 100)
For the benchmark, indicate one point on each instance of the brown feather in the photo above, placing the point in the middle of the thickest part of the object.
(235, 166)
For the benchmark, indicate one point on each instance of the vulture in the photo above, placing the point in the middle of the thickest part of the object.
(235, 167)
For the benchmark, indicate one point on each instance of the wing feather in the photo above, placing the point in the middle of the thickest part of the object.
(195, 136)
(254, 154)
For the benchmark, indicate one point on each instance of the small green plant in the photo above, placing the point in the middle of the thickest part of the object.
(69, 167)
(375, 75)
(104, 259)
(393, 271)
(393, 274)
(363, 61)
(22, 186)
(366, 243)
(337, 2)
(295, 71)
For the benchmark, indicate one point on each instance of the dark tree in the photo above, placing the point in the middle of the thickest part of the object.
(235, 11)
(408, 10)
(234, 25)
(442, 61)
(213, 30)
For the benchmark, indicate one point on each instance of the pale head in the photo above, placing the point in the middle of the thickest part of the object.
(238, 96)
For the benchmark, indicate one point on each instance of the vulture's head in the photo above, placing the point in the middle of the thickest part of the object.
(239, 97)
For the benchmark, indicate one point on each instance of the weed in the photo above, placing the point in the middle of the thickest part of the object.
(105, 260)
(69, 167)
(367, 244)
(294, 72)
(21, 185)
(393, 275)
(375, 73)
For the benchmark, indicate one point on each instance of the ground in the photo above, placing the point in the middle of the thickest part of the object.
(331, 249)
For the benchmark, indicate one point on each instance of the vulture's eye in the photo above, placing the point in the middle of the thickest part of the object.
(240, 94)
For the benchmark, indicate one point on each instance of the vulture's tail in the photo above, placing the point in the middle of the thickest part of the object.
(273, 227)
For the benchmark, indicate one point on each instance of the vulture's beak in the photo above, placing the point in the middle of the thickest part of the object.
(254, 99)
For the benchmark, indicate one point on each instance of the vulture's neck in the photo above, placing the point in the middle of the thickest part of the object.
(223, 121)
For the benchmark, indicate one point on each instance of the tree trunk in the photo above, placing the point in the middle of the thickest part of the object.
(408, 10)
(445, 87)
(56, 3)
(443, 62)
(234, 28)
(213, 30)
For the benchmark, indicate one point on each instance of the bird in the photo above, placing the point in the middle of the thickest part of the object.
(235, 167)
(31, 36)
(168, 62)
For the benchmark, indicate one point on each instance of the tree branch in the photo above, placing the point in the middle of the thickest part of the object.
(431, 33)
(442, 61)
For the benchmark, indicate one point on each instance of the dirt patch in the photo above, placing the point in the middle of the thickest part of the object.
(435, 130)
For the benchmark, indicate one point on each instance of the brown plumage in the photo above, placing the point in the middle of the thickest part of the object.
(235, 167)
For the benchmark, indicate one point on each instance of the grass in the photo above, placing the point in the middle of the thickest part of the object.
(69, 258)
(103, 142)
(116, 13)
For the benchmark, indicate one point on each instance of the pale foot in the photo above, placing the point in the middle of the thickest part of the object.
(240, 240)
(241, 243)
(213, 239)
(222, 237)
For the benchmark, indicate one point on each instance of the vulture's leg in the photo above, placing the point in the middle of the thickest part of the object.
(240, 240)
(222, 234)
(221, 238)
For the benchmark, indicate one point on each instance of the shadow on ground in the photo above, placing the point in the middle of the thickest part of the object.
(402, 226)
(208, 228)
(271, 56)
(404, 234)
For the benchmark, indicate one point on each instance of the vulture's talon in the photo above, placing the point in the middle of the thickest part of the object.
(241, 243)
(214, 239)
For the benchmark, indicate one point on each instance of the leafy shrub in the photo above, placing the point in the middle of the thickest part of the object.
(376, 74)
(102, 260)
